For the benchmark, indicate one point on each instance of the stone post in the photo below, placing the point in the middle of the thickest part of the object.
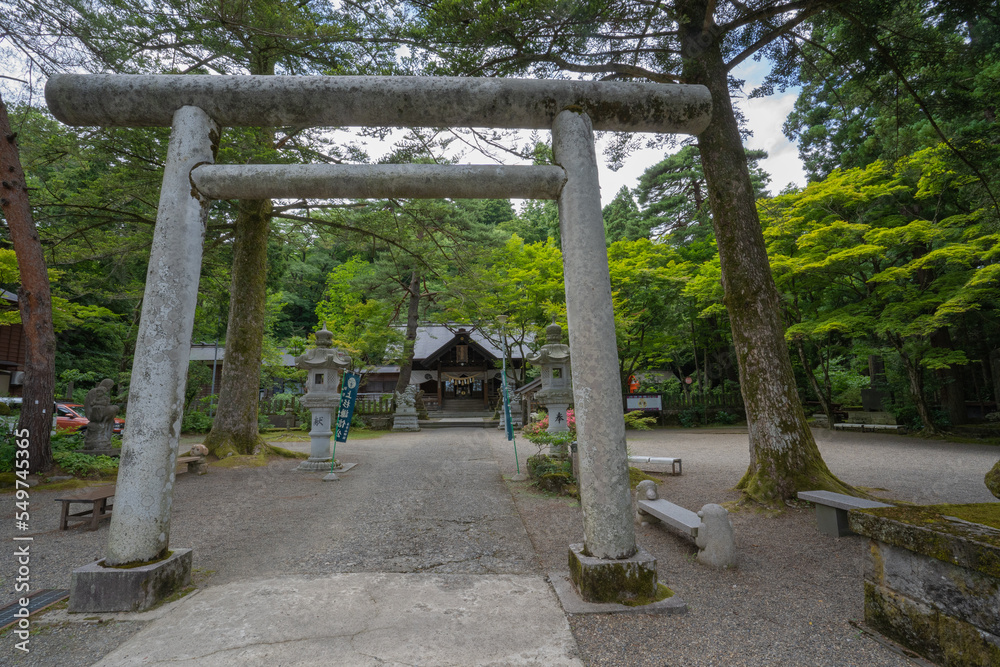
(600, 426)
(140, 523)
(324, 363)
(557, 382)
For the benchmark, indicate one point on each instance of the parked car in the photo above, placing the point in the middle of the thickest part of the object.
(78, 408)
(68, 419)
(9, 422)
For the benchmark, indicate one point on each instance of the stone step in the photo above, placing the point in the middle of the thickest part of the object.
(458, 423)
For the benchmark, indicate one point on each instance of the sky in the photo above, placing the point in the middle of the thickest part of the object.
(765, 117)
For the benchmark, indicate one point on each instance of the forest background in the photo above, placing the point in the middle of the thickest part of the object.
(889, 252)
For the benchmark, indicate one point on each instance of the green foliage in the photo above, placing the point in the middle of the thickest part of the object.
(519, 280)
(725, 418)
(888, 256)
(543, 438)
(361, 325)
(66, 456)
(196, 421)
(872, 73)
(552, 474)
(621, 219)
(85, 465)
(637, 420)
(673, 195)
(691, 417)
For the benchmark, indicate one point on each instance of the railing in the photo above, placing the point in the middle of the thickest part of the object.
(374, 404)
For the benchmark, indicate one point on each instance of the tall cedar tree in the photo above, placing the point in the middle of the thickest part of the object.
(34, 301)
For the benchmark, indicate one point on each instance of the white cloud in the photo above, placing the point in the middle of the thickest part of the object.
(765, 116)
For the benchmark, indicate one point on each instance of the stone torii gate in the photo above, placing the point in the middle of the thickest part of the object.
(197, 107)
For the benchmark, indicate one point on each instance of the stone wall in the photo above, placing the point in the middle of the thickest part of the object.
(932, 582)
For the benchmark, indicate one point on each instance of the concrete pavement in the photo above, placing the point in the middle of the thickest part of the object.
(421, 559)
(361, 619)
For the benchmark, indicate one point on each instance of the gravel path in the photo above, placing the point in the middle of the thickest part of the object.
(435, 502)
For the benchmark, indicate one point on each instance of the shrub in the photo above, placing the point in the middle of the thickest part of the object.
(543, 423)
(8, 449)
(638, 421)
(85, 465)
(725, 418)
(552, 474)
(196, 422)
(543, 438)
(691, 417)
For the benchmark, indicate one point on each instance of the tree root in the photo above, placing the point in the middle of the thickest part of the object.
(775, 481)
(223, 445)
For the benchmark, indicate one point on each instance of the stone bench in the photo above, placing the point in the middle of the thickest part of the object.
(710, 528)
(844, 426)
(197, 465)
(832, 508)
(654, 463)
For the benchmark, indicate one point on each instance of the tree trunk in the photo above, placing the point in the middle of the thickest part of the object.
(234, 430)
(784, 458)
(952, 382)
(995, 376)
(34, 302)
(916, 385)
(412, 319)
(824, 402)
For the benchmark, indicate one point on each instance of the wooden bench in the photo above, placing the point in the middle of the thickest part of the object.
(99, 507)
(675, 464)
(832, 508)
(673, 515)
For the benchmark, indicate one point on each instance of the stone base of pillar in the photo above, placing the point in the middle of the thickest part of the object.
(95, 588)
(315, 465)
(625, 581)
(405, 422)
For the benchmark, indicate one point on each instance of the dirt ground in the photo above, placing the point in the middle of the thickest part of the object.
(443, 501)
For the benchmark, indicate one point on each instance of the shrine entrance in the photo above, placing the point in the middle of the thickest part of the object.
(197, 107)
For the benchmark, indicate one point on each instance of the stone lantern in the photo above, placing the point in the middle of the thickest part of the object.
(556, 393)
(324, 363)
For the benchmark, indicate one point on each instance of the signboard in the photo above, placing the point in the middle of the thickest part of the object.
(345, 409)
(644, 402)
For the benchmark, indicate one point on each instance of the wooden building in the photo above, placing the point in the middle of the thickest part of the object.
(457, 367)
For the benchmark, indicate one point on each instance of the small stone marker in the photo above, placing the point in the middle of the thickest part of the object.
(715, 537)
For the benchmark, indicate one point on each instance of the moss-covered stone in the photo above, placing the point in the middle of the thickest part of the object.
(629, 581)
(935, 531)
(285, 453)
(927, 631)
(992, 479)
(635, 476)
(662, 593)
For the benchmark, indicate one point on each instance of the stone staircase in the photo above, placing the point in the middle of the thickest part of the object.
(460, 413)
